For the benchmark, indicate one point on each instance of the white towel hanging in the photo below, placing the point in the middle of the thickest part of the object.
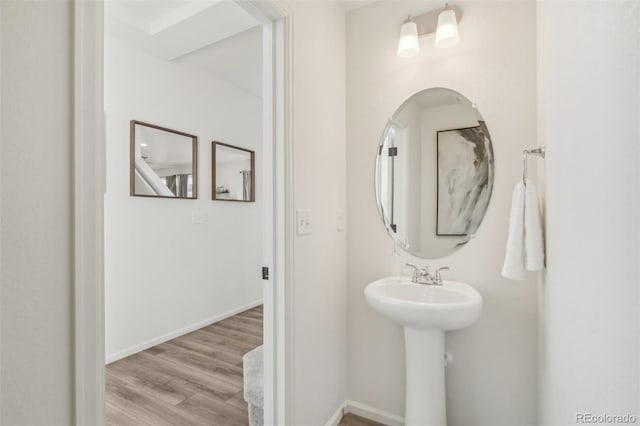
(525, 246)
(514, 268)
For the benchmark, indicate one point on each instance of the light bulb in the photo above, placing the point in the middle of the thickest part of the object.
(408, 46)
(447, 32)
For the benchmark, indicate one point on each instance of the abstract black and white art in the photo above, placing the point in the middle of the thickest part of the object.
(465, 179)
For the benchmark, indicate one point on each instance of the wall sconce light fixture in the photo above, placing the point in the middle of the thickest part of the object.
(447, 32)
(408, 45)
(442, 22)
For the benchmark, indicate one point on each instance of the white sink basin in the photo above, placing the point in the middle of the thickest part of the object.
(452, 306)
(425, 312)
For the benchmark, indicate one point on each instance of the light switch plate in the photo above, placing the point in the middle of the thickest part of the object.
(303, 222)
(341, 219)
(198, 218)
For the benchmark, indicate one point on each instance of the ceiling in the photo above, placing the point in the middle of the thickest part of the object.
(350, 5)
(216, 35)
(228, 59)
(436, 98)
(225, 154)
(163, 149)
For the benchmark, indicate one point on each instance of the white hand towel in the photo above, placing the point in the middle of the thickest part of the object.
(514, 261)
(533, 241)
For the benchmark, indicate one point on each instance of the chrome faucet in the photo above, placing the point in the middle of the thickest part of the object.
(423, 276)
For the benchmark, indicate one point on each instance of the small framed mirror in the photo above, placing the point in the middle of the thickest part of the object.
(233, 173)
(163, 162)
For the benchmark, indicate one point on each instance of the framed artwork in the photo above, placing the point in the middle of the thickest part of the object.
(464, 161)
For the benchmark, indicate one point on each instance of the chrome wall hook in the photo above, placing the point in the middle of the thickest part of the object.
(539, 151)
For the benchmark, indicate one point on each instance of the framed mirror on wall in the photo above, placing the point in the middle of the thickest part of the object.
(434, 173)
(232, 173)
(164, 162)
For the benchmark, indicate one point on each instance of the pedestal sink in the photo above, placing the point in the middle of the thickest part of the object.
(426, 312)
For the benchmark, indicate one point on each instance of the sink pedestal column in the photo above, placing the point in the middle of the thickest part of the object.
(425, 396)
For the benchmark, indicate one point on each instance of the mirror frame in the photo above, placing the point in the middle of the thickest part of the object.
(132, 154)
(214, 144)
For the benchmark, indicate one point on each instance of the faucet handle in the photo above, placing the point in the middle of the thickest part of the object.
(419, 272)
(437, 278)
(416, 268)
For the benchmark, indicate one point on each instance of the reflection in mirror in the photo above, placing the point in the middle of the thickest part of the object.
(434, 173)
(233, 173)
(163, 162)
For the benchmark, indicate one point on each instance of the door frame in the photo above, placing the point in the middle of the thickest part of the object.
(89, 185)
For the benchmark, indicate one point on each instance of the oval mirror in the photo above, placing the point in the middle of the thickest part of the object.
(434, 173)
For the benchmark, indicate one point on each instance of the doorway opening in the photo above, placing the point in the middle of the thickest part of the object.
(192, 284)
(183, 290)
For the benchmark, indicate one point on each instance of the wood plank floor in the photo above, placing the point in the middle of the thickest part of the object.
(353, 420)
(195, 379)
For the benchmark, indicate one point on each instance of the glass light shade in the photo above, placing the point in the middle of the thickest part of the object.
(447, 32)
(408, 45)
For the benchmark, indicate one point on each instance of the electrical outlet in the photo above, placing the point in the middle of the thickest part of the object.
(303, 222)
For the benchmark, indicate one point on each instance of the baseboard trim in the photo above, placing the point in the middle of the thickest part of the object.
(161, 339)
(334, 420)
(372, 413)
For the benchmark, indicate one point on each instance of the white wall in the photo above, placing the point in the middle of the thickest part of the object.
(35, 235)
(163, 273)
(493, 379)
(320, 334)
(589, 95)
